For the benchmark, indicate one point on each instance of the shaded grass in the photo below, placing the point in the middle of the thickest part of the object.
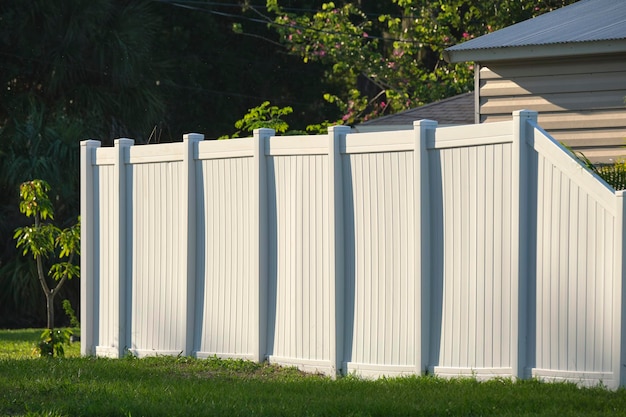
(168, 386)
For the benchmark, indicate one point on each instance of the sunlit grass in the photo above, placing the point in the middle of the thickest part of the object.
(20, 344)
(166, 386)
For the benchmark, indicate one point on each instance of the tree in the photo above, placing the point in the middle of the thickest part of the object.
(391, 61)
(91, 60)
(69, 71)
(151, 70)
(263, 115)
(46, 242)
(219, 73)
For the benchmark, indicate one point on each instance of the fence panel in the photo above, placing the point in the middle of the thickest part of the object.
(107, 290)
(577, 331)
(472, 206)
(225, 287)
(158, 303)
(380, 251)
(299, 275)
(110, 268)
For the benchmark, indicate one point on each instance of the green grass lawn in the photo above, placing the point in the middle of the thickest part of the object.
(20, 344)
(164, 386)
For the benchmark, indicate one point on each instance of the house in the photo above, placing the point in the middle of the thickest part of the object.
(569, 65)
(456, 110)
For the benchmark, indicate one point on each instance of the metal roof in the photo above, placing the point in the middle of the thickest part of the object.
(587, 21)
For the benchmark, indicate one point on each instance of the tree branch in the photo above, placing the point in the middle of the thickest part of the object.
(64, 278)
(41, 275)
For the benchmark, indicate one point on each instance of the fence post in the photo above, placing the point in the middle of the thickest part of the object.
(424, 134)
(120, 236)
(619, 352)
(189, 245)
(87, 245)
(336, 245)
(520, 195)
(259, 231)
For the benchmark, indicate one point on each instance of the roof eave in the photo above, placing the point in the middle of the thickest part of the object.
(535, 51)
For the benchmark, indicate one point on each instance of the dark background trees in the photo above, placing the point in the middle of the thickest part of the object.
(155, 69)
(102, 69)
(68, 71)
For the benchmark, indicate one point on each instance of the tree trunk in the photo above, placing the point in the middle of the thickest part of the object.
(50, 306)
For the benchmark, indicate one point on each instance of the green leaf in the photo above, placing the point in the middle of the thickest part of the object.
(64, 269)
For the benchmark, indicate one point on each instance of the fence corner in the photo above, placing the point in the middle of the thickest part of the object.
(522, 192)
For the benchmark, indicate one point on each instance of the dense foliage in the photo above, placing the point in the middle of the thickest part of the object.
(155, 69)
(150, 70)
(69, 71)
(391, 59)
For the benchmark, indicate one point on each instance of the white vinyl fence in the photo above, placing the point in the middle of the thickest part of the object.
(480, 250)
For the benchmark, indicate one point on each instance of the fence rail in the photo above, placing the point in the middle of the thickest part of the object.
(480, 250)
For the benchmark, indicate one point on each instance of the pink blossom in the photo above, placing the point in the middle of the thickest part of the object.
(466, 35)
(365, 35)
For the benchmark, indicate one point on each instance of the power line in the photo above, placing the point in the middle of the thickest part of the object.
(268, 21)
(289, 9)
(235, 5)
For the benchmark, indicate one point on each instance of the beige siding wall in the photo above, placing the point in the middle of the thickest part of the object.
(580, 101)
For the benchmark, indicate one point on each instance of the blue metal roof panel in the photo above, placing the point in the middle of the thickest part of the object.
(584, 21)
